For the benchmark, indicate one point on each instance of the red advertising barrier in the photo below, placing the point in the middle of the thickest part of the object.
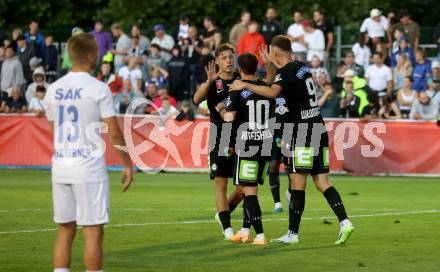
(392, 147)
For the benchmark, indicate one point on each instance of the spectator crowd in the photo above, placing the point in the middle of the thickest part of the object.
(385, 75)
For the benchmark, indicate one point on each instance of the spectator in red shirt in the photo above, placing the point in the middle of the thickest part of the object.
(113, 81)
(163, 94)
(251, 41)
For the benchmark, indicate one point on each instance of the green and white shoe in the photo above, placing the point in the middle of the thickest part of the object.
(345, 233)
(289, 238)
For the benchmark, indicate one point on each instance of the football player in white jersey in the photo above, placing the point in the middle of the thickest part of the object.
(77, 106)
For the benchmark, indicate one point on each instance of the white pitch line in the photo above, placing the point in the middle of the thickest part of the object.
(212, 221)
(178, 210)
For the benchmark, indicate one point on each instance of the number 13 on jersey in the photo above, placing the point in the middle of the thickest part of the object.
(68, 130)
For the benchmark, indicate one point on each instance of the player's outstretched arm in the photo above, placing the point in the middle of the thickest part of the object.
(117, 139)
(202, 91)
(266, 91)
(269, 64)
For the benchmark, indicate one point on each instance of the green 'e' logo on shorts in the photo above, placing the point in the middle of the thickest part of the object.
(326, 156)
(303, 157)
(248, 170)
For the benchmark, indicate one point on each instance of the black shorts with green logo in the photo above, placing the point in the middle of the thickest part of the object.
(250, 171)
(306, 160)
(220, 166)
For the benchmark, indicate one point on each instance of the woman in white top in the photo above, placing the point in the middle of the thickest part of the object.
(406, 96)
(361, 51)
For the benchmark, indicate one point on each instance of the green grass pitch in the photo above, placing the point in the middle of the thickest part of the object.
(165, 223)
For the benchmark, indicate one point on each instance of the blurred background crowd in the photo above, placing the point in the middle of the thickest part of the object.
(386, 73)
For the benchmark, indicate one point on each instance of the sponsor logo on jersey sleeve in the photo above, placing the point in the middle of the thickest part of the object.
(302, 71)
(277, 78)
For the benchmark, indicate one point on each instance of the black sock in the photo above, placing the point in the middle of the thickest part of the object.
(225, 218)
(335, 202)
(246, 217)
(254, 210)
(288, 178)
(232, 207)
(274, 181)
(296, 208)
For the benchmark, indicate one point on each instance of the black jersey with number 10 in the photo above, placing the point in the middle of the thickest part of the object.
(254, 111)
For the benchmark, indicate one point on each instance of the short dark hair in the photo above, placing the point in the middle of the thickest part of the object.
(116, 26)
(321, 11)
(248, 63)
(378, 54)
(209, 18)
(222, 48)
(282, 42)
(21, 37)
(13, 46)
(40, 88)
(421, 51)
(403, 13)
(244, 12)
(155, 45)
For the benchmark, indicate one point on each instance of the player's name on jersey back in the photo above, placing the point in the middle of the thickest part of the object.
(70, 94)
(310, 113)
(256, 135)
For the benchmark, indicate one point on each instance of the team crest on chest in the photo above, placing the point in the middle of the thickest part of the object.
(219, 85)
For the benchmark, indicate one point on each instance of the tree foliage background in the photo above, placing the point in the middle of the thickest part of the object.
(66, 14)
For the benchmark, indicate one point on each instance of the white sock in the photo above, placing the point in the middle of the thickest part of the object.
(244, 231)
(260, 236)
(278, 205)
(345, 222)
(61, 270)
(228, 232)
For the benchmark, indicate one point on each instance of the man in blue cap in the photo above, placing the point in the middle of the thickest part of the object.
(165, 41)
